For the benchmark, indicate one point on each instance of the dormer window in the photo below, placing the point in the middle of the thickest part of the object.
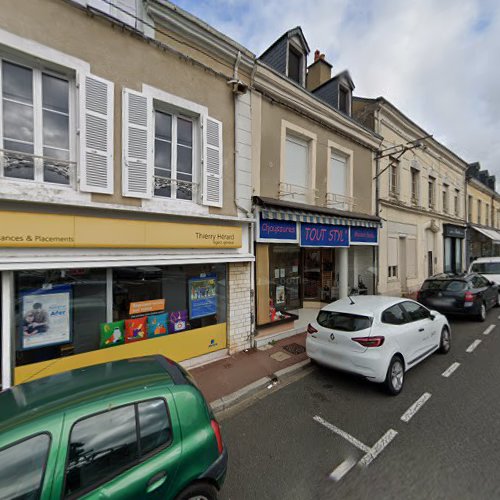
(294, 64)
(344, 100)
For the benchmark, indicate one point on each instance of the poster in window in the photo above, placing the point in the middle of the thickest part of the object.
(157, 325)
(112, 334)
(202, 296)
(177, 321)
(135, 329)
(280, 294)
(46, 317)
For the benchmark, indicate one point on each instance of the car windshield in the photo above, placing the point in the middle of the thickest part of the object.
(344, 321)
(449, 286)
(486, 267)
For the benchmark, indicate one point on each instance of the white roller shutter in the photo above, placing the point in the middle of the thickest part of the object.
(137, 158)
(96, 97)
(212, 163)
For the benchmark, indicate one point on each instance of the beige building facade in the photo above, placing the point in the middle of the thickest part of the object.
(420, 188)
(316, 233)
(125, 186)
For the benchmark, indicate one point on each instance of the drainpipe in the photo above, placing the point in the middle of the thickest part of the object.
(377, 202)
(238, 89)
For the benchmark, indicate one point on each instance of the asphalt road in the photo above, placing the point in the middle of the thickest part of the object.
(286, 444)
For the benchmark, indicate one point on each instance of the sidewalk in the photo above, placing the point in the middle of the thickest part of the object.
(225, 381)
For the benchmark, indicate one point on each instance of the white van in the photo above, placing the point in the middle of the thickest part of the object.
(489, 267)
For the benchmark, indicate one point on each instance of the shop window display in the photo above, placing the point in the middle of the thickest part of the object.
(65, 312)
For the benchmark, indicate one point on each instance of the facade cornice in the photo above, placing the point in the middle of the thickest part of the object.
(276, 86)
(483, 188)
(422, 211)
(173, 18)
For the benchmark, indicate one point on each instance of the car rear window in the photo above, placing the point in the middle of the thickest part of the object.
(344, 321)
(486, 267)
(449, 286)
(22, 467)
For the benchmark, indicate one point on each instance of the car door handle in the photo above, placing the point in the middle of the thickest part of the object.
(421, 329)
(156, 481)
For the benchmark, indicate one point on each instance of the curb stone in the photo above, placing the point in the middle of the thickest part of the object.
(225, 402)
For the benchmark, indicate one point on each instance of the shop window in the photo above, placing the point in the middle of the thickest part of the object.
(36, 124)
(66, 312)
(173, 158)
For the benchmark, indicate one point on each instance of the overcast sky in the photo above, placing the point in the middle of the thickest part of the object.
(436, 60)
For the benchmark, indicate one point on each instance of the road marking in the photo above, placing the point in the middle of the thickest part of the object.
(342, 433)
(378, 447)
(473, 345)
(410, 412)
(450, 370)
(489, 329)
(341, 470)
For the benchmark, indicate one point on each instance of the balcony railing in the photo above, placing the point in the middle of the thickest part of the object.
(299, 194)
(340, 202)
(185, 190)
(27, 166)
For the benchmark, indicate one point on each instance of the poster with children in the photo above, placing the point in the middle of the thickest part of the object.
(46, 317)
(202, 296)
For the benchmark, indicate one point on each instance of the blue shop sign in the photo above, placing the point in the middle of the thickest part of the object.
(277, 230)
(323, 235)
(364, 235)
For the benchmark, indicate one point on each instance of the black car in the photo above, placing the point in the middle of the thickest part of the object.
(467, 294)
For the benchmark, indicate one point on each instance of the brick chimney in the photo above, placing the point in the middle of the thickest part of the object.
(319, 72)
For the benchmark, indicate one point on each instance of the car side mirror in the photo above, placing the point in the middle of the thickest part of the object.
(432, 316)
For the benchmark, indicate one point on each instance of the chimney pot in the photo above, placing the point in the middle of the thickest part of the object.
(316, 55)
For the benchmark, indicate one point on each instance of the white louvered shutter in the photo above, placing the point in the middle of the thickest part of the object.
(96, 134)
(212, 164)
(137, 150)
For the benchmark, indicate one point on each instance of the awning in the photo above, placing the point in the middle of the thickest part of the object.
(279, 210)
(493, 235)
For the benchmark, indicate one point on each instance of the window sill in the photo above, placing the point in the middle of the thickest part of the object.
(182, 207)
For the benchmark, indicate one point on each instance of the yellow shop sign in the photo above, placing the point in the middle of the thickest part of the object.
(22, 229)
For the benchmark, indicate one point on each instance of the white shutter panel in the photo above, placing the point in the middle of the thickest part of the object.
(96, 134)
(137, 150)
(212, 164)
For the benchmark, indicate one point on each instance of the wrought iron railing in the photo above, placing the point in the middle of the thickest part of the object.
(300, 194)
(12, 163)
(340, 201)
(186, 188)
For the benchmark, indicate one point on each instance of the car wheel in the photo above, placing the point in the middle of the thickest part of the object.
(482, 312)
(445, 343)
(199, 491)
(395, 376)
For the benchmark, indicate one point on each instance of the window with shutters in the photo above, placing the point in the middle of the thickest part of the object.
(36, 124)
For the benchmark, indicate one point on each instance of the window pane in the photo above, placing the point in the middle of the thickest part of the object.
(100, 447)
(163, 126)
(393, 316)
(17, 121)
(18, 166)
(17, 82)
(184, 160)
(415, 312)
(55, 94)
(55, 130)
(54, 171)
(184, 132)
(344, 321)
(154, 425)
(163, 154)
(21, 468)
(338, 177)
(161, 188)
(294, 65)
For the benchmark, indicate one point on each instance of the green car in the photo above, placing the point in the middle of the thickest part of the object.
(132, 429)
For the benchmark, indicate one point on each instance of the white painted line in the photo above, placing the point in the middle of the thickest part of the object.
(342, 433)
(489, 329)
(473, 346)
(410, 412)
(378, 447)
(341, 470)
(450, 370)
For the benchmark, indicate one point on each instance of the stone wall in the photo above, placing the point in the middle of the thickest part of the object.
(240, 307)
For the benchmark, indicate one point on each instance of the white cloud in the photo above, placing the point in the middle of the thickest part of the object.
(436, 60)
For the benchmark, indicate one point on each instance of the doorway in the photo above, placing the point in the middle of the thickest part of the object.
(311, 273)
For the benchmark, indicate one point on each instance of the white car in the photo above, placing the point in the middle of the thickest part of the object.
(489, 267)
(377, 337)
